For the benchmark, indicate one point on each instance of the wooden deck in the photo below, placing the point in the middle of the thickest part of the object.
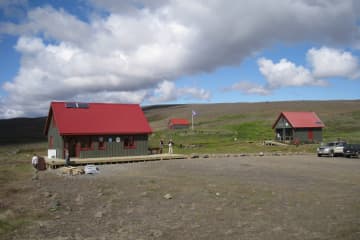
(274, 143)
(55, 163)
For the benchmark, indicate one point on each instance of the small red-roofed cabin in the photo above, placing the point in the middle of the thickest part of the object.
(90, 130)
(298, 127)
(178, 123)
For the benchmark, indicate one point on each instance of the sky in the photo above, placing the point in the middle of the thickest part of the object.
(176, 51)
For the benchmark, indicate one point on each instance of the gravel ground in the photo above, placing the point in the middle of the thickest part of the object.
(269, 197)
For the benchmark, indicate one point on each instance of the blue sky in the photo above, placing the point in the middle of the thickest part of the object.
(172, 51)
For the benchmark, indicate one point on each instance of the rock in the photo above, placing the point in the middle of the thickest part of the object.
(261, 154)
(99, 214)
(156, 233)
(194, 156)
(47, 194)
(205, 156)
(168, 196)
(79, 199)
(144, 194)
(277, 229)
(54, 205)
(217, 194)
(195, 225)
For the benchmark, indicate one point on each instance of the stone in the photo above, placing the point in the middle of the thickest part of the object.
(79, 199)
(99, 214)
(168, 196)
(47, 194)
(54, 205)
(156, 233)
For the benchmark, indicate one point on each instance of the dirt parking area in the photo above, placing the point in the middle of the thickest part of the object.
(269, 197)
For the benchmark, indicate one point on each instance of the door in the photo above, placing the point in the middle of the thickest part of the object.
(310, 135)
(72, 147)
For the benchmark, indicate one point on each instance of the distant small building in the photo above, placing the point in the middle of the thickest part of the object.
(178, 123)
(301, 127)
(89, 130)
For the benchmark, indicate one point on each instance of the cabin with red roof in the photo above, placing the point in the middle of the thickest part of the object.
(178, 123)
(298, 127)
(88, 130)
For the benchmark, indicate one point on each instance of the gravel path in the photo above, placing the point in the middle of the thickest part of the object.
(252, 197)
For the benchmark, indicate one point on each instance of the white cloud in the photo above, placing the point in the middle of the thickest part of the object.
(114, 96)
(330, 62)
(249, 88)
(194, 93)
(137, 44)
(278, 75)
(286, 74)
(29, 45)
(167, 92)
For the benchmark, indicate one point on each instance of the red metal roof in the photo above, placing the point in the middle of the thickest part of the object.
(301, 119)
(178, 121)
(98, 119)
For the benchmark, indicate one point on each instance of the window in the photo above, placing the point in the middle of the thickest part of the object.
(101, 143)
(129, 142)
(86, 144)
(51, 142)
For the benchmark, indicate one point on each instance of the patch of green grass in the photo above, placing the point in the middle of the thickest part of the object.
(232, 117)
(6, 226)
(356, 115)
(212, 141)
(345, 126)
(155, 117)
(15, 161)
(225, 137)
(9, 225)
(252, 131)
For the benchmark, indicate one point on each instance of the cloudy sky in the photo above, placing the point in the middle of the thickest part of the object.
(176, 51)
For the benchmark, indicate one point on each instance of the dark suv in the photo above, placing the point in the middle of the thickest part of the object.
(352, 150)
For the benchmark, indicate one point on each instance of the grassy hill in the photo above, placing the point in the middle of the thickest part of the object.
(223, 127)
(216, 126)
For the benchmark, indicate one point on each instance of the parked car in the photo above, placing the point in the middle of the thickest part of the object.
(331, 149)
(352, 150)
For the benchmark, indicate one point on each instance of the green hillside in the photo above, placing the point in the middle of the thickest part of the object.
(242, 127)
(219, 128)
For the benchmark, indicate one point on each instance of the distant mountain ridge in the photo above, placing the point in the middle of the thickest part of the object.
(22, 130)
